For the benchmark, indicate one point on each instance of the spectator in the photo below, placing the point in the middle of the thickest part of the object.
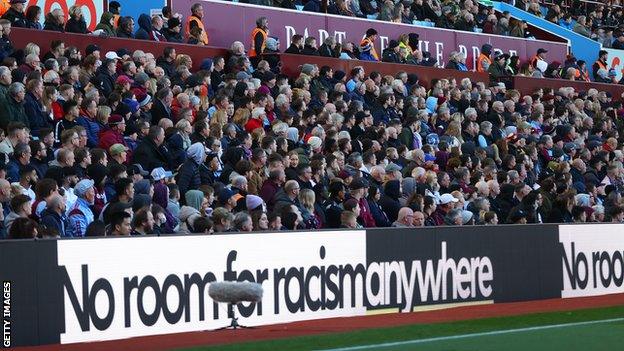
(76, 22)
(367, 46)
(106, 26)
(80, 214)
(15, 14)
(53, 216)
(195, 20)
(55, 21)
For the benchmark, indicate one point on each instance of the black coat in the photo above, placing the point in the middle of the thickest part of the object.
(36, 115)
(188, 176)
(53, 27)
(150, 156)
(159, 111)
(76, 26)
(105, 81)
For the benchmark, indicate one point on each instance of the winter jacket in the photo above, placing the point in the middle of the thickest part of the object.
(105, 82)
(12, 111)
(390, 200)
(76, 26)
(17, 19)
(145, 28)
(8, 220)
(53, 220)
(79, 217)
(188, 176)
(38, 117)
(150, 156)
(105, 25)
(93, 130)
(187, 216)
(109, 137)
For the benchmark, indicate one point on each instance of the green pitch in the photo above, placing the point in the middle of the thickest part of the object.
(592, 329)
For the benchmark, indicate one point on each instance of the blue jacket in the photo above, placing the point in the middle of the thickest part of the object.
(188, 176)
(79, 218)
(93, 130)
(36, 114)
(13, 170)
(145, 27)
(53, 220)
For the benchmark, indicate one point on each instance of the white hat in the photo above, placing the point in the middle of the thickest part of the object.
(111, 55)
(160, 173)
(447, 198)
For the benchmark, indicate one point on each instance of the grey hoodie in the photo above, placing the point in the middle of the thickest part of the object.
(8, 221)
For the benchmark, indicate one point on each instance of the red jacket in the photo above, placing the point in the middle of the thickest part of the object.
(366, 214)
(252, 124)
(110, 137)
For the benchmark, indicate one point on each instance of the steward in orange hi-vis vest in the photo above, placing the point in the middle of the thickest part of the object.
(195, 20)
(259, 37)
(484, 61)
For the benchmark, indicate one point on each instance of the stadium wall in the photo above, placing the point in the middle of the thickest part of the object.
(223, 30)
(69, 291)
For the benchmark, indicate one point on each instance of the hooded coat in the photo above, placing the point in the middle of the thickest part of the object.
(105, 25)
(389, 202)
(190, 212)
(145, 28)
(188, 175)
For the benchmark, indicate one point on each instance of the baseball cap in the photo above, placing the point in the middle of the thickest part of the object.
(225, 194)
(117, 149)
(111, 55)
(83, 186)
(541, 51)
(447, 198)
(137, 169)
(160, 173)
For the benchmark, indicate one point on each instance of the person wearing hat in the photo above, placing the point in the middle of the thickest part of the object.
(367, 46)
(118, 154)
(391, 53)
(80, 214)
(484, 61)
(15, 14)
(113, 133)
(358, 190)
(539, 60)
(498, 68)
(446, 203)
(188, 177)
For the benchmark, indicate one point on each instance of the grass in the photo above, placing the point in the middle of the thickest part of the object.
(608, 336)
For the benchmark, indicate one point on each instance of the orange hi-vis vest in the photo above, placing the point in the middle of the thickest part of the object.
(483, 57)
(366, 43)
(252, 51)
(5, 5)
(204, 36)
(601, 65)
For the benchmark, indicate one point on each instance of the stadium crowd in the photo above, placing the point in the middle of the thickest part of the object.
(601, 21)
(130, 143)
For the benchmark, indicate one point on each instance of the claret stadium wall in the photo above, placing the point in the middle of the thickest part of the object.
(223, 30)
(67, 291)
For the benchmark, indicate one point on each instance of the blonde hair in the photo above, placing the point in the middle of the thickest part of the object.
(307, 199)
(219, 119)
(103, 113)
(32, 48)
(241, 116)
